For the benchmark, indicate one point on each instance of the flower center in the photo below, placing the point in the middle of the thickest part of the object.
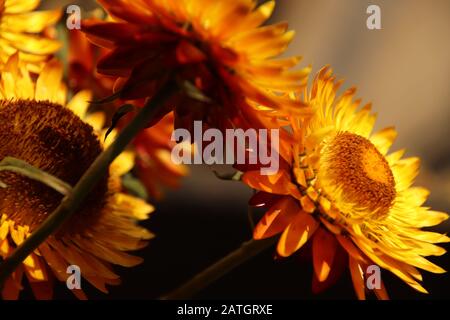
(54, 139)
(357, 174)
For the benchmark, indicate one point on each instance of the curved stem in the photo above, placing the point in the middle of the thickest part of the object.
(199, 282)
(88, 181)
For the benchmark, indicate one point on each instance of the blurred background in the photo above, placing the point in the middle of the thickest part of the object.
(403, 69)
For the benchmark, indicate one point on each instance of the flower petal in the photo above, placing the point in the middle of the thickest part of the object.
(277, 218)
(297, 234)
(324, 249)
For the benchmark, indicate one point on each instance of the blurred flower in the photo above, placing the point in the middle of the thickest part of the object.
(339, 186)
(226, 68)
(36, 128)
(22, 30)
(83, 57)
(154, 166)
(152, 146)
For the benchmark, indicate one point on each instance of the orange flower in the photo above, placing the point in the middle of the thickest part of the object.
(338, 186)
(200, 44)
(83, 57)
(152, 146)
(153, 163)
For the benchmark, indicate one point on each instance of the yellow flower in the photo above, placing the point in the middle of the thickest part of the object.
(36, 127)
(339, 186)
(218, 46)
(22, 30)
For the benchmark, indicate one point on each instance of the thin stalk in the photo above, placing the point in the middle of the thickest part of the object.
(216, 271)
(88, 181)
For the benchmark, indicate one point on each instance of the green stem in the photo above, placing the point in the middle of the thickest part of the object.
(247, 251)
(88, 181)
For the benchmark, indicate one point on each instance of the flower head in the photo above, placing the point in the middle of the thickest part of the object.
(83, 56)
(339, 186)
(37, 126)
(153, 145)
(227, 69)
(22, 30)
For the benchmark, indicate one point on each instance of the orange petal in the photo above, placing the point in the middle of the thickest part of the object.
(297, 234)
(381, 293)
(187, 53)
(357, 274)
(351, 249)
(279, 183)
(277, 218)
(339, 265)
(10, 290)
(324, 250)
(12, 286)
(42, 290)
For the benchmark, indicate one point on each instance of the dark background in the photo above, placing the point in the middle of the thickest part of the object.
(403, 68)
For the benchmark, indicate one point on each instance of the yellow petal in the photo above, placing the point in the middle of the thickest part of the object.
(123, 163)
(31, 43)
(384, 139)
(405, 172)
(132, 206)
(19, 6)
(48, 84)
(96, 120)
(4, 230)
(31, 22)
(80, 103)
(34, 268)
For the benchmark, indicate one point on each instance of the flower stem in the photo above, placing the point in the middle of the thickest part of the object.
(202, 280)
(88, 181)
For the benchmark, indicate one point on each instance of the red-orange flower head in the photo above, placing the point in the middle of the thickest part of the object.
(83, 57)
(155, 169)
(152, 146)
(215, 46)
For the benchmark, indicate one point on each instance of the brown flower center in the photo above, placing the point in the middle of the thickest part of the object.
(358, 173)
(54, 139)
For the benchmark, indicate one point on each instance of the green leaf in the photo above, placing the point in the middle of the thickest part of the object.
(134, 186)
(29, 171)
